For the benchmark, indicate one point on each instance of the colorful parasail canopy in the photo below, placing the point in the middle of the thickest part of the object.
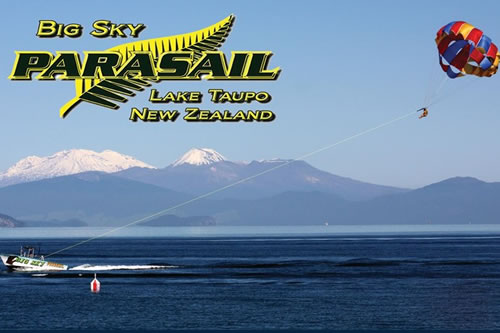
(464, 49)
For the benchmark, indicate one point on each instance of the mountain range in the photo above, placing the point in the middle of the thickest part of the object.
(200, 171)
(7, 221)
(124, 189)
(96, 198)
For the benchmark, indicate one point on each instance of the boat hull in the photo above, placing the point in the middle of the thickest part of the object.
(25, 264)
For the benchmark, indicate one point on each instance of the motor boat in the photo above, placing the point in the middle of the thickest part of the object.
(30, 260)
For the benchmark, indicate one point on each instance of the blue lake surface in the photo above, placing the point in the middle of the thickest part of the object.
(430, 277)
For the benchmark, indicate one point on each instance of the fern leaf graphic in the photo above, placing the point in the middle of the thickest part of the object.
(105, 92)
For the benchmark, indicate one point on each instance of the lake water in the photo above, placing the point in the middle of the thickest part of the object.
(326, 277)
(248, 231)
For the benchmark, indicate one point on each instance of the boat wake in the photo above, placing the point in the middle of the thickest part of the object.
(88, 267)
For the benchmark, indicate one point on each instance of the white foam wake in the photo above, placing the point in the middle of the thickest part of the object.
(88, 267)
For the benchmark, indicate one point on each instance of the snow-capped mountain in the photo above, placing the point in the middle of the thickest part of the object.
(199, 156)
(204, 170)
(68, 162)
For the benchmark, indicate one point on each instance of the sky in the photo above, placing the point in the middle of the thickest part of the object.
(346, 67)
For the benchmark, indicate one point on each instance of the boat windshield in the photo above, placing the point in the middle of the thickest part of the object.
(29, 251)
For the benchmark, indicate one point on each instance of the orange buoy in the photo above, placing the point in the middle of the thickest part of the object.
(95, 285)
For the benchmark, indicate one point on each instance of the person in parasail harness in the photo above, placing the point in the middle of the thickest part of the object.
(424, 113)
